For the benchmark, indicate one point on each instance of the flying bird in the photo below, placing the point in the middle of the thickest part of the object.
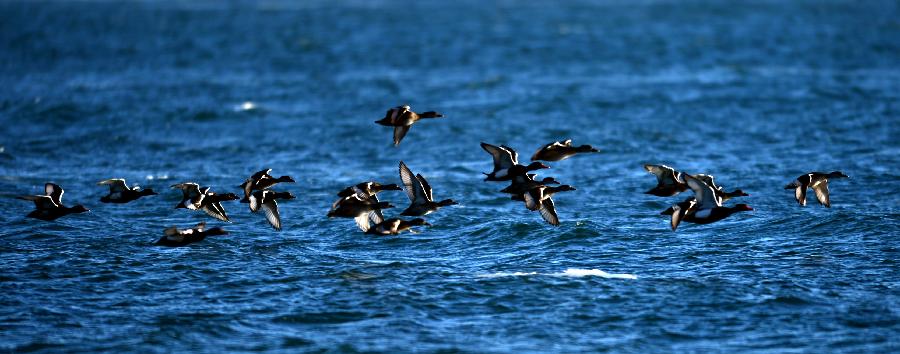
(506, 163)
(818, 181)
(402, 118)
(560, 150)
(395, 226)
(419, 192)
(119, 192)
(174, 237)
(49, 207)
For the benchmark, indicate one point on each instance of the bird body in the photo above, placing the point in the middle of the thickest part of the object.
(395, 226)
(119, 192)
(173, 237)
(260, 181)
(560, 150)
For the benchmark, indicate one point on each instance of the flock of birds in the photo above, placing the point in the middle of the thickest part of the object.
(360, 202)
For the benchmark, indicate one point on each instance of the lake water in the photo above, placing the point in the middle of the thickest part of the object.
(756, 93)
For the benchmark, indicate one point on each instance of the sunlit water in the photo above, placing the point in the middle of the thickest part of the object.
(160, 93)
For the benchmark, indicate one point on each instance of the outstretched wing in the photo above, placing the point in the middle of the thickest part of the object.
(512, 154)
(216, 210)
(503, 159)
(821, 190)
(399, 133)
(363, 222)
(116, 185)
(800, 194)
(41, 202)
(425, 187)
(665, 175)
(680, 210)
(270, 208)
(706, 196)
(55, 192)
(414, 189)
(548, 212)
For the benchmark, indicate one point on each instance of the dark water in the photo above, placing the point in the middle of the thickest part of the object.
(756, 93)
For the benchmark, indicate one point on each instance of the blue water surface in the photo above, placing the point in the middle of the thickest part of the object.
(754, 92)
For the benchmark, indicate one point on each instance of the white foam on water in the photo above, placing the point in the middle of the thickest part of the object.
(570, 272)
(575, 272)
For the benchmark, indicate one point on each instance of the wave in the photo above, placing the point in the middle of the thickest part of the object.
(570, 272)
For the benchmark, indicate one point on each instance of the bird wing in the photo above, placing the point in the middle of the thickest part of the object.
(375, 215)
(412, 185)
(680, 210)
(116, 185)
(425, 187)
(55, 192)
(261, 174)
(533, 198)
(503, 158)
(665, 175)
(41, 202)
(256, 201)
(170, 232)
(567, 143)
(821, 190)
(514, 156)
(548, 212)
(399, 133)
(708, 179)
(706, 196)
(270, 207)
(215, 210)
(800, 194)
(248, 187)
(200, 227)
(363, 222)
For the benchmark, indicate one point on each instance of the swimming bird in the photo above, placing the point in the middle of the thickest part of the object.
(818, 181)
(266, 200)
(260, 181)
(506, 163)
(419, 193)
(173, 237)
(119, 192)
(402, 118)
(360, 209)
(705, 208)
(560, 150)
(395, 226)
(668, 181)
(196, 198)
(49, 207)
